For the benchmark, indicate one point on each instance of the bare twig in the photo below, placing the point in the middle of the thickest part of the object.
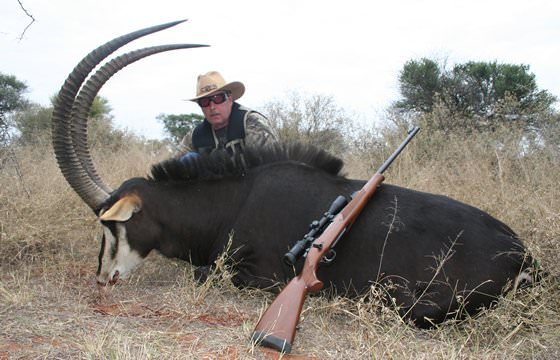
(391, 228)
(29, 15)
(440, 263)
(11, 156)
(7, 153)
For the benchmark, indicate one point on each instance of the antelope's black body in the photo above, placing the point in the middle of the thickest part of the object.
(428, 250)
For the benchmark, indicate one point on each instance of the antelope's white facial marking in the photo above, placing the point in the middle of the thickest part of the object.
(116, 258)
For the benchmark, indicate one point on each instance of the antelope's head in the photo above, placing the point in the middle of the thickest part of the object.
(69, 130)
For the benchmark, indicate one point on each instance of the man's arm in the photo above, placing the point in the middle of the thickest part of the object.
(258, 132)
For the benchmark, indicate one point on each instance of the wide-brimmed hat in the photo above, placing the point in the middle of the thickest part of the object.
(213, 81)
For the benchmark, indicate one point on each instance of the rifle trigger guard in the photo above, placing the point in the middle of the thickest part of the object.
(329, 257)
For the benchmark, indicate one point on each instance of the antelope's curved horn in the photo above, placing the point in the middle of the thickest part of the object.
(84, 100)
(80, 173)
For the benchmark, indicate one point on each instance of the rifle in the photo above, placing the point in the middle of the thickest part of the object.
(276, 328)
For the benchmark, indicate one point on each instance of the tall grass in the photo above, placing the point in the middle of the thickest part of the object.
(51, 308)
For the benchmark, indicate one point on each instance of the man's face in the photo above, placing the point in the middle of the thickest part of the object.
(217, 114)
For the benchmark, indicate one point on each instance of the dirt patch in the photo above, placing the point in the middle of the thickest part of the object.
(7, 350)
(215, 317)
(134, 310)
(223, 318)
(270, 354)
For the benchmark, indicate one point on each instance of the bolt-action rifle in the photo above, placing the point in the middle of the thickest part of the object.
(277, 326)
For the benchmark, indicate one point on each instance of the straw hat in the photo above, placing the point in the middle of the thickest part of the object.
(213, 81)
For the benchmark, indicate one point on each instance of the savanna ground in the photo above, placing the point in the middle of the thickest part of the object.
(50, 306)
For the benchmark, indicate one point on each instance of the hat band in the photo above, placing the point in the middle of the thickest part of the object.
(208, 88)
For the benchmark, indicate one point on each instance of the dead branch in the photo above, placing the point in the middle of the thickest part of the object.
(29, 15)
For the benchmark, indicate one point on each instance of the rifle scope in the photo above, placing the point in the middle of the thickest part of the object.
(317, 227)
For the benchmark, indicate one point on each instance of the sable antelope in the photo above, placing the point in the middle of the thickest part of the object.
(436, 256)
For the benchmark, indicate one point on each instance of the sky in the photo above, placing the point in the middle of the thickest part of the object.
(351, 50)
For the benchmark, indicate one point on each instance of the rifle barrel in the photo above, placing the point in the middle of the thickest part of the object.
(388, 162)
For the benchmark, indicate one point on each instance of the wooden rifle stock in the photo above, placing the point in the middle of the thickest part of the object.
(277, 326)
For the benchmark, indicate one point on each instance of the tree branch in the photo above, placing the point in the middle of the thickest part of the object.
(29, 15)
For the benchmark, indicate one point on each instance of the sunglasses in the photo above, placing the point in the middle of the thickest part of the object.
(216, 99)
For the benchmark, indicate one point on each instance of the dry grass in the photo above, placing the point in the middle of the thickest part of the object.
(50, 306)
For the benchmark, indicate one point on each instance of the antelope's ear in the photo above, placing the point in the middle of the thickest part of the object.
(123, 209)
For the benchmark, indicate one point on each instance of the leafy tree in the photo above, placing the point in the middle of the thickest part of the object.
(11, 100)
(11, 94)
(177, 126)
(472, 90)
(476, 87)
(419, 81)
(33, 124)
(100, 108)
